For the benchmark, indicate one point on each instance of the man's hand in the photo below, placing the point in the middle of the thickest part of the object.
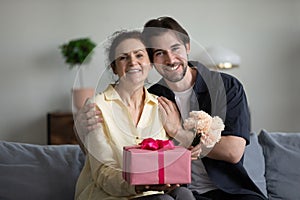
(195, 151)
(87, 119)
(170, 116)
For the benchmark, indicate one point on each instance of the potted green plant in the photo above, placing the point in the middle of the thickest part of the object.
(78, 52)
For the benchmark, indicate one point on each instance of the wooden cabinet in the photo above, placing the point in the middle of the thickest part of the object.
(61, 128)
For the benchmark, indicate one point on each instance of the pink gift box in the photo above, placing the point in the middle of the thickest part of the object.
(147, 167)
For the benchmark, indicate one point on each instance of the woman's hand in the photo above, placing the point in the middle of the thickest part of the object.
(166, 188)
(170, 116)
(172, 122)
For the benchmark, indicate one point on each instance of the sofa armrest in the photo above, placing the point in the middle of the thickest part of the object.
(29, 171)
(254, 163)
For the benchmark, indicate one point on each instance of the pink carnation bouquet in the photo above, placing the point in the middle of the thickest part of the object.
(209, 127)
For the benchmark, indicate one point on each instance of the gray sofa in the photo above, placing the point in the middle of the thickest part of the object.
(41, 172)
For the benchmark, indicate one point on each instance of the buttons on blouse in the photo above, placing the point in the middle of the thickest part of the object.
(138, 140)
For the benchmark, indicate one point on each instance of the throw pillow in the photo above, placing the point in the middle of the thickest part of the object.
(282, 160)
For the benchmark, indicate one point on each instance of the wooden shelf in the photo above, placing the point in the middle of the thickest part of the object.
(60, 128)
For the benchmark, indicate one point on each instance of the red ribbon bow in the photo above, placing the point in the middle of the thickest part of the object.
(152, 144)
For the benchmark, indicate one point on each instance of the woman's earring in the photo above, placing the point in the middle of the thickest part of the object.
(115, 78)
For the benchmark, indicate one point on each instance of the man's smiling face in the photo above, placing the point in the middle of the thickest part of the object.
(170, 56)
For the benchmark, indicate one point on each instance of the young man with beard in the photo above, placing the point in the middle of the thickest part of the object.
(219, 174)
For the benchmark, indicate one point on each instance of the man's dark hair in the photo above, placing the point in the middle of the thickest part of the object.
(156, 27)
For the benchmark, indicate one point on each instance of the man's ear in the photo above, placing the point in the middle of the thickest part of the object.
(188, 47)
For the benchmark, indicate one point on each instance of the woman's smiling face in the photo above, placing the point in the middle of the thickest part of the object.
(132, 61)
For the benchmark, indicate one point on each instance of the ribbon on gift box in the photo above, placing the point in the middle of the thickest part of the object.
(160, 146)
(152, 144)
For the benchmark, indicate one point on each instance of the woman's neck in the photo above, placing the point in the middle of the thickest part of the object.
(133, 98)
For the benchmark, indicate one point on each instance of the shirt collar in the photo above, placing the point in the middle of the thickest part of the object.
(111, 95)
(200, 85)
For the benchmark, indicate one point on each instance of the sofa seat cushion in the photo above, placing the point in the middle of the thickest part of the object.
(282, 160)
(29, 171)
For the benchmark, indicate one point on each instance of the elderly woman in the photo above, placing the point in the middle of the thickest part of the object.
(130, 114)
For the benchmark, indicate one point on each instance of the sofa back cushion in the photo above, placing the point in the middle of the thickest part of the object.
(282, 159)
(254, 163)
(29, 171)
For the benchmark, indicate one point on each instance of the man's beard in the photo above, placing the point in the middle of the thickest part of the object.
(178, 77)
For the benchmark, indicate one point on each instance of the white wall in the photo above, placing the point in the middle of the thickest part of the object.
(35, 80)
